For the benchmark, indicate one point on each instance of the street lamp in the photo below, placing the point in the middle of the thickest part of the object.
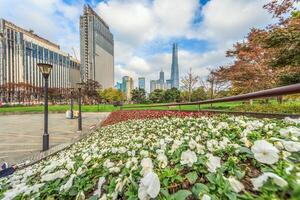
(45, 69)
(79, 85)
(72, 102)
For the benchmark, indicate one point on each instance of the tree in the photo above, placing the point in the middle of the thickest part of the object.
(138, 95)
(214, 84)
(157, 96)
(110, 95)
(189, 81)
(172, 95)
(283, 40)
(90, 90)
(199, 94)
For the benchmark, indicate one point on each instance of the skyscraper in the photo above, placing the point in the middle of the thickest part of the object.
(96, 49)
(142, 83)
(174, 69)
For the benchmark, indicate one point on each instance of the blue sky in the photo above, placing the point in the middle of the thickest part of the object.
(144, 30)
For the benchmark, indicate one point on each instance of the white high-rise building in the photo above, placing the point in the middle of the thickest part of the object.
(96, 49)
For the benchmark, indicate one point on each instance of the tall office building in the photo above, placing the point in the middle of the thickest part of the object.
(142, 83)
(20, 51)
(174, 70)
(96, 49)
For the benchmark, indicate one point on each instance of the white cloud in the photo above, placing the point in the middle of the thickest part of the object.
(52, 19)
(138, 24)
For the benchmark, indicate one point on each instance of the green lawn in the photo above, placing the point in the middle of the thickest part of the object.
(58, 108)
(271, 107)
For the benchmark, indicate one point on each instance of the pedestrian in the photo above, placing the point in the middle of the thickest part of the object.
(6, 171)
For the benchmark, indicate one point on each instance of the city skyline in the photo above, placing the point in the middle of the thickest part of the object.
(194, 25)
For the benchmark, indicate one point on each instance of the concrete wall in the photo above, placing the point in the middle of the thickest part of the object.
(104, 68)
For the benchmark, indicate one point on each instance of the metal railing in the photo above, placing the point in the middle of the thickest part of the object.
(280, 91)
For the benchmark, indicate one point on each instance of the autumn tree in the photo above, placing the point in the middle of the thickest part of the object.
(283, 40)
(189, 82)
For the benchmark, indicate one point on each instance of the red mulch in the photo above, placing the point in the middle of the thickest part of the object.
(123, 115)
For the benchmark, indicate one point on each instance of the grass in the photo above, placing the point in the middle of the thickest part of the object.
(271, 107)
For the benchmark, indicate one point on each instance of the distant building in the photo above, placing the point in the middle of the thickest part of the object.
(158, 84)
(96, 49)
(127, 86)
(174, 68)
(142, 83)
(161, 77)
(20, 51)
(118, 86)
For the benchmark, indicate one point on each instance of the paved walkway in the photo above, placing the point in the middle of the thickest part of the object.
(21, 135)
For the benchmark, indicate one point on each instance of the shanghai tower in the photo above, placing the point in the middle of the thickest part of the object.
(174, 69)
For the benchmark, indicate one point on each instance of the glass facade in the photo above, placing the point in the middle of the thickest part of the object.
(174, 68)
(142, 83)
(21, 51)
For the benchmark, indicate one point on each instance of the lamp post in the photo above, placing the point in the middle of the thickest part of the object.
(72, 102)
(45, 69)
(79, 85)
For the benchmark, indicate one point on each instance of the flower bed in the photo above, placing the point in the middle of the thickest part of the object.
(124, 115)
(218, 157)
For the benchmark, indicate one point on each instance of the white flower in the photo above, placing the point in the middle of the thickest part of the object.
(101, 181)
(265, 152)
(290, 131)
(70, 165)
(291, 146)
(114, 170)
(149, 186)
(206, 197)
(279, 145)
(200, 149)
(108, 164)
(188, 158)
(54, 175)
(212, 145)
(259, 181)
(146, 165)
(163, 160)
(288, 119)
(144, 153)
(236, 185)
(213, 162)
(246, 141)
(192, 144)
(80, 196)
(68, 184)
(176, 145)
(87, 160)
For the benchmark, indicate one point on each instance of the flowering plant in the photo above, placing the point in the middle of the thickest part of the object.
(217, 157)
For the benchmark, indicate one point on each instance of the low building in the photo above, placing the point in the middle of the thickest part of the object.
(20, 51)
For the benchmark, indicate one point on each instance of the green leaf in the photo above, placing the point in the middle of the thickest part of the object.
(199, 188)
(165, 192)
(192, 177)
(181, 195)
(93, 197)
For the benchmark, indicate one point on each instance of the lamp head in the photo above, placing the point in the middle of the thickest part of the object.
(45, 69)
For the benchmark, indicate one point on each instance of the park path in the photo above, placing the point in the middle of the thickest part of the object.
(21, 135)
